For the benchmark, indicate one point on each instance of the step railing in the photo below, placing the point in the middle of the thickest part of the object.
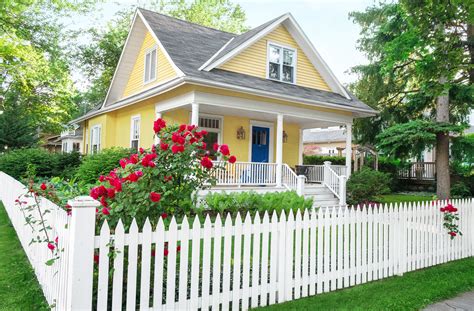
(291, 181)
(245, 174)
(335, 182)
(315, 173)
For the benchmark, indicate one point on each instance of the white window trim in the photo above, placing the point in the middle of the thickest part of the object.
(281, 65)
(97, 126)
(220, 131)
(133, 118)
(269, 125)
(148, 51)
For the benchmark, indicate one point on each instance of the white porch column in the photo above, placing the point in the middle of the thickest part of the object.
(300, 148)
(279, 150)
(158, 115)
(195, 114)
(348, 149)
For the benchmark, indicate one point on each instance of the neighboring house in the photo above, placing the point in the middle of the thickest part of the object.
(328, 142)
(255, 92)
(72, 139)
(50, 142)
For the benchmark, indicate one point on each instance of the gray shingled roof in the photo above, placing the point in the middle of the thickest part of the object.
(190, 46)
(325, 136)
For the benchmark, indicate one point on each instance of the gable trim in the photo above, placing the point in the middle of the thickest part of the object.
(302, 40)
(215, 54)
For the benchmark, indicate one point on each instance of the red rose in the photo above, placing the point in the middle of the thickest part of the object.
(181, 140)
(191, 127)
(203, 133)
(134, 158)
(105, 211)
(155, 197)
(204, 146)
(175, 137)
(111, 192)
(153, 253)
(133, 177)
(175, 148)
(225, 150)
(43, 186)
(165, 252)
(102, 178)
(164, 215)
(56, 240)
(158, 125)
(153, 148)
(94, 193)
(452, 233)
(103, 202)
(51, 246)
(215, 147)
(178, 248)
(182, 127)
(164, 146)
(141, 150)
(206, 162)
(232, 159)
(96, 259)
(123, 163)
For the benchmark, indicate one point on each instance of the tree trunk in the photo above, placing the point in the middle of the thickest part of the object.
(443, 182)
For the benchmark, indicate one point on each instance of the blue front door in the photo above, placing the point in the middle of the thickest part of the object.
(260, 144)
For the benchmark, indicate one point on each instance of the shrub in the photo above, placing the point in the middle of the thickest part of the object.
(16, 162)
(366, 184)
(254, 202)
(319, 160)
(100, 164)
(460, 190)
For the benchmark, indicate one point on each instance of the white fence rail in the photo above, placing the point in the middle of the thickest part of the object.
(315, 173)
(335, 182)
(253, 262)
(53, 279)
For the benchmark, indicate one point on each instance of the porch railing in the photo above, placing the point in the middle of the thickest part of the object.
(246, 173)
(315, 173)
(418, 171)
(335, 182)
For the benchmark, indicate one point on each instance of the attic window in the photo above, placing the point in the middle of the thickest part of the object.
(281, 63)
(150, 66)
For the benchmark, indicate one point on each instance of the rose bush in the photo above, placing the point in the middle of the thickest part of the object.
(161, 181)
(450, 217)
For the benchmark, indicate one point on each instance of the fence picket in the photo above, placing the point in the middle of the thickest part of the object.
(206, 264)
(247, 230)
(297, 260)
(256, 262)
(119, 247)
(226, 285)
(158, 236)
(195, 260)
(103, 280)
(146, 266)
(132, 266)
(216, 263)
(305, 257)
(171, 266)
(183, 264)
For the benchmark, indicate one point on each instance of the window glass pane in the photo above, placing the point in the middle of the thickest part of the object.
(288, 57)
(210, 139)
(153, 65)
(147, 67)
(134, 145)
(274, 55)
(288, 73)
(274, 71)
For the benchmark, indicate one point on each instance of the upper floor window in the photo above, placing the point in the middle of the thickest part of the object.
(150, 66)
(135, 133)
(95, 138)
(281, 63)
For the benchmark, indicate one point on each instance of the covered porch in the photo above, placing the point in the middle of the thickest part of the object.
(267, 139)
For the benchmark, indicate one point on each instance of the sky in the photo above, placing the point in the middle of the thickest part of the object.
(325, 22)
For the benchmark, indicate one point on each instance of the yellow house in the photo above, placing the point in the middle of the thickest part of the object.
(255, 92)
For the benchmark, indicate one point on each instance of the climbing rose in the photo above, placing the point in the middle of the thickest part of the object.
(158, 125)
(105, 211)
(155, 197)
(232, 159)
(182, 127)
(215, 146)
(166, 252)
(51, 246)
(206, 162)
(452, 233)
(164, 146)
(43, 186)
(164, 215)
(225, 150)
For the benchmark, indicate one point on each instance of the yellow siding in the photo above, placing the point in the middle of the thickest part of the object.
(238, 147)
(253, 60)
(146, 112)
(177, 116)
(291, 147)
(164, 69)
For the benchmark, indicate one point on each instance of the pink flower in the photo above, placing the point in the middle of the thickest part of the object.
(155, 197)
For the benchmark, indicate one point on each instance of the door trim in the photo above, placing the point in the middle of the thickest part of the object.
(269, 125)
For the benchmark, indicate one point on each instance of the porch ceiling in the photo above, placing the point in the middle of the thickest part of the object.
(304, 123)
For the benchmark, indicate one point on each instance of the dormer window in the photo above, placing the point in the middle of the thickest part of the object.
(281, 63)
(150, 66)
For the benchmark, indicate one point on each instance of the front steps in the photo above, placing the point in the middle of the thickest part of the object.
(321, 195)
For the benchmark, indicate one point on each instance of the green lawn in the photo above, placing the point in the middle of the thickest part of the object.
(19, 289)
(412, 291)
(404, 197)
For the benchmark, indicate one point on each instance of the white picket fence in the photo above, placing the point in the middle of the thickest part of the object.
(258, 261)
(53, 279)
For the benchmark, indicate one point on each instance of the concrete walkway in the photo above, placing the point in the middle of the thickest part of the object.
(462, 302)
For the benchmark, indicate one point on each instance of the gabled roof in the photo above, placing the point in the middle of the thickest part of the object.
(189, 46)
(324, 136)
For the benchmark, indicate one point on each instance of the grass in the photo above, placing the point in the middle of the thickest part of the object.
(19, 288)
(412, 291)
(404, 197)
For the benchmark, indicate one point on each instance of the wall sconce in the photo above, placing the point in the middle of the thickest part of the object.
(241, 133)
(285, 137)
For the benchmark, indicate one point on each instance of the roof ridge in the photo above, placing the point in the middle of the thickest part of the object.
(187, 22)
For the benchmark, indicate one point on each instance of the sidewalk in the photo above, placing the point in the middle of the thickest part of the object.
(462, 302)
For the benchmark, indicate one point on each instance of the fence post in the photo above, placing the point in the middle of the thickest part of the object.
(301, 179)
(326, 177)
(342, 190)
(81, 253)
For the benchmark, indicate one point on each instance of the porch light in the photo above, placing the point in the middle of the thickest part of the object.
(241, 133)
(285, 137)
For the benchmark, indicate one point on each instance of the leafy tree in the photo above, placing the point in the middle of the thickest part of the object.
(34, 72)
(98, 59)
(421, 57)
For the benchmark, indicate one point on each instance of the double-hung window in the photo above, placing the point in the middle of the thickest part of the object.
(95, 138)
(281, 63)
(135, 132)
(150, 66)
(213, 125)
